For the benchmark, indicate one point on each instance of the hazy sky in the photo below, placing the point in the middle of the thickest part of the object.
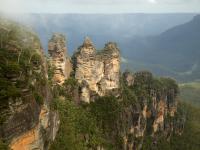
(99, 6)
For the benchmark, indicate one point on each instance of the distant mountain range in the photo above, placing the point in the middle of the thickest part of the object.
(175, 52)
(166, 44)
(100, 27)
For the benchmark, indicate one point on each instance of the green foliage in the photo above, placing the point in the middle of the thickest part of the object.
(11, 69)
(128, 95)
(169, 84)
(21, 72)
(147, 143)
(188, 140)
(3, 145)
(67, 90)
(39, 99)
(78, 128)
(189, 92)
(36, 59)
(70, 83)
(143, 84)
(51, 70)
(106, 110)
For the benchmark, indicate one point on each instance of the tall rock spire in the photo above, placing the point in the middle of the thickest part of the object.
(97, 72)
(87, 42)
(58, 58)
(87, 48)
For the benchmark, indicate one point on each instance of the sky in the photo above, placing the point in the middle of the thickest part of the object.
(99, 6)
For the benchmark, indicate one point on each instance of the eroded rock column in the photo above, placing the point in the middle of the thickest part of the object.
(59, 60)
(97, 72)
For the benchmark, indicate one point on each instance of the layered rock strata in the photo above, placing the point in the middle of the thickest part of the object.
(96, 71)
(59, 59)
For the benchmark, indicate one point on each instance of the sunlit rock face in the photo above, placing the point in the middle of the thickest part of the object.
(35, 138)
(99, 71)
(58, 58)
(111, 58)
(164, 108)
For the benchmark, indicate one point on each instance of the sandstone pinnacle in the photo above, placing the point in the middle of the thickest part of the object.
(111, 46)
(58, 58)
(87, 42)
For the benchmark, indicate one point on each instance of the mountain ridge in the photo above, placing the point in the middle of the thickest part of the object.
(177, 49)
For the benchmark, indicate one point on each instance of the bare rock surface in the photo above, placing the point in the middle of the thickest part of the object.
(58, 58)
(100, 70)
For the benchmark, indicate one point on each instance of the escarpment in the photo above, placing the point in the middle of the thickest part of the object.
(97, 71)
(26, 121)
(40, 97)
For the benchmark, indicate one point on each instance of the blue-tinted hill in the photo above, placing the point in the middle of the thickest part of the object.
(176, 52)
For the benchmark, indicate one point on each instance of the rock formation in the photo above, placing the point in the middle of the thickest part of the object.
(58, 58)
(97, 71)
(26, 119)
(152, 111)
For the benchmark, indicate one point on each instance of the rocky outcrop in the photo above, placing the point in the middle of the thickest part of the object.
(154, 111)
(97, 72)
(59, 60)
(26, 121)
(35, 138)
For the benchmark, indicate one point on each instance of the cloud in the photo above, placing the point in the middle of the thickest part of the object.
(152, 1)
(99, 6)
(124, 60)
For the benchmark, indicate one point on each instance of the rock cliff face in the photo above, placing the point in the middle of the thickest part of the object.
(35, 138)
(26, 120)
(154, 112)
(98, 72)
(59, 59)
